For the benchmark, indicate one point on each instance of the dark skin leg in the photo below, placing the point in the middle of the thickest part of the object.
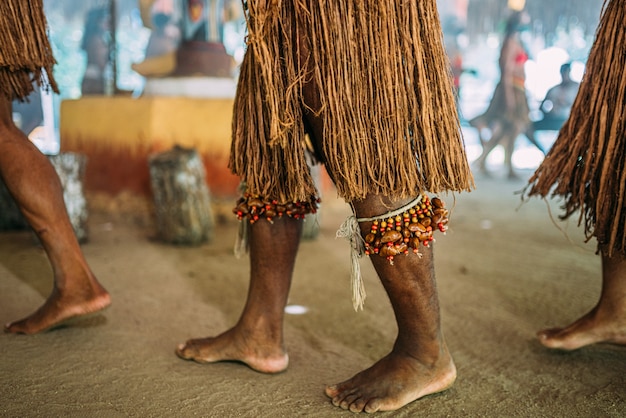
(419, 363)
(36, 188)
(605, 323)
(257, 338)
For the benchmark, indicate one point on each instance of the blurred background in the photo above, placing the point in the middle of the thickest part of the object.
(561, 30)
(143, 43)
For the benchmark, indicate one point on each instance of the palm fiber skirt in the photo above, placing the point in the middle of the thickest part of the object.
(383, 89)
(25, 52)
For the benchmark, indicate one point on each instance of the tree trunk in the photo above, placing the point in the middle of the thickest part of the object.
(71, 170)
(181, 197)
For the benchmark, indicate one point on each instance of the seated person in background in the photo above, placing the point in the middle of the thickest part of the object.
(160, 56)
(164, 38)
(557, 103)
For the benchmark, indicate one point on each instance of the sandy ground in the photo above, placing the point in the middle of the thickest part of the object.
(504, 271)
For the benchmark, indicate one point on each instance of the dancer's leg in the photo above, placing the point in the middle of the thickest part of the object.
(419, 363)
(36, 188)
(257, 338)
(606, 322)
(509, 148)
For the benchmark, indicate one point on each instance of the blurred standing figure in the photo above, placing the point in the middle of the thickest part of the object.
(95, 43)
(26, 58)
(557, 104)
(586, 167)
(508, 113)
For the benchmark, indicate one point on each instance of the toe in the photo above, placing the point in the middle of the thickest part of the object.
(545, 334)
(357, 405)
(331, 391)
(182, 351)
(373, 405)
(349, 401)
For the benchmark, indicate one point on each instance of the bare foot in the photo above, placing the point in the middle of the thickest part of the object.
(391, 383)
(590, 329)
(58, 309)
(232, 346)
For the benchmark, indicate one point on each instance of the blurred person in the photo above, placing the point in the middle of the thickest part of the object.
(507, 115)
(387, 133)
(95, 43)
(26, 58)
(164, 38)
(586, 168)
(557, 104)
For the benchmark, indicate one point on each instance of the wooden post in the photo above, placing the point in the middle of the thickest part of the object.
(71, 170)
(311, 227)
(181, 197)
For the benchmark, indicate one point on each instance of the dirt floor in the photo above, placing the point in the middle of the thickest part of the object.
(504, 272)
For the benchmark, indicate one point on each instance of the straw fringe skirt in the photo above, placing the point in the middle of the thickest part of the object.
(585, 167)
(25, 52)
(385, 94)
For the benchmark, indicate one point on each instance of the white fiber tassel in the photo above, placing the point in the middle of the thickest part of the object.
(350, 230)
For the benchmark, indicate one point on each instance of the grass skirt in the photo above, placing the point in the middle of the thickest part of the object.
(384, 85)
(25, 52)
(585, 167)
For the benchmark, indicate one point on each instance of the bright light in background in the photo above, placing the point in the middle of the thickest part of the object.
(543, 73)
(577, 71)
(526, 156)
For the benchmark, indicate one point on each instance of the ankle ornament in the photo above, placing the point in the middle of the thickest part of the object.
(401, 233)
(397, 232)
(252, 208)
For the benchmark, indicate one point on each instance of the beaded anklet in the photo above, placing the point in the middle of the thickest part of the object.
(394, 233)
(251, 208)
(254, 208)
(398, 234)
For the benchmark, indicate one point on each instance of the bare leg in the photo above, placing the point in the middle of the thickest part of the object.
(419, 363)
(479, 130)
(257, 338)
(509, 148)
(605, 323)
(488, 146)
(480, 124)
(34, 184)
